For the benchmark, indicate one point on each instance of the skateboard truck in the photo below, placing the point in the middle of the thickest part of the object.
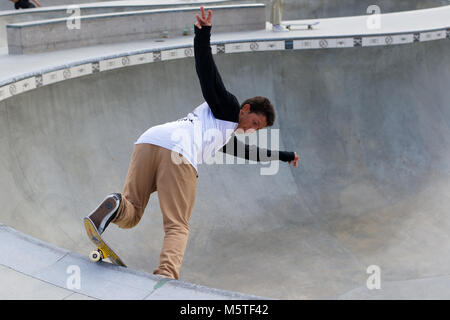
(97, 255)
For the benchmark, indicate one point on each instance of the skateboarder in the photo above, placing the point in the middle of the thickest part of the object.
(276, 14)
(155, 164)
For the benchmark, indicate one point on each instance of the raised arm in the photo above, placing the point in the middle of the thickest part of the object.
(223, 104)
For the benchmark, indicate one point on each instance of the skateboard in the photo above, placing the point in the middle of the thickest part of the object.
(310, 25)
(103, 249)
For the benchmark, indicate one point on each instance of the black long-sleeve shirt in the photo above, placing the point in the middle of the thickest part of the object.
(223, 104)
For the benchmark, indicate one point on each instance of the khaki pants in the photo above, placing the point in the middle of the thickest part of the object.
(152, 169)
(276, 12)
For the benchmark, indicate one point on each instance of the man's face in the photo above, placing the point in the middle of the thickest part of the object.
(250, 122)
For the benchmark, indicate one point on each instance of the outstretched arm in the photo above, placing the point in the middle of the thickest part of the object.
(238, 149)
(223, 104)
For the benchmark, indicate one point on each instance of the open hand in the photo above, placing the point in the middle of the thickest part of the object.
(203, 20)
(295, 161)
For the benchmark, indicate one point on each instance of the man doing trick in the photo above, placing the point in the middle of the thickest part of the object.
(153, 166)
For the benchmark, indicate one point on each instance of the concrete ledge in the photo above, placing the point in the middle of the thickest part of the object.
(61, 11)
(54, 34)
(8, 6)
(313, 9)
(52, 267)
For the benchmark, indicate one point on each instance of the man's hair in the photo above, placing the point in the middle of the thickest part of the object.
(262, 106)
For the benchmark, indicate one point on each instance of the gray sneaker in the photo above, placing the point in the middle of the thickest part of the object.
(279, 28)
(106, 212)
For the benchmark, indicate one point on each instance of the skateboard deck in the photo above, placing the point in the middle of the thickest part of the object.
(291, 26)
(103, 249)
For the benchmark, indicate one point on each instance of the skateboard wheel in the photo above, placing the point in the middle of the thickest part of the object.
(95, 256)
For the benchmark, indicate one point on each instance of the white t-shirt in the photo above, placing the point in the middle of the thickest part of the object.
(197, 137)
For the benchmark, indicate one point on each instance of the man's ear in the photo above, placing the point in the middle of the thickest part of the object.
(246, 107)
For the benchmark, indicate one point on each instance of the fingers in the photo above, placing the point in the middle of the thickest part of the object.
(295, 161)
(202, 20)
(202, 10)
(209, 18)
(199, 21)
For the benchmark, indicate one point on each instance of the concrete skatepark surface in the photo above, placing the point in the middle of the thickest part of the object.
(33, 269)
(371, 126)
